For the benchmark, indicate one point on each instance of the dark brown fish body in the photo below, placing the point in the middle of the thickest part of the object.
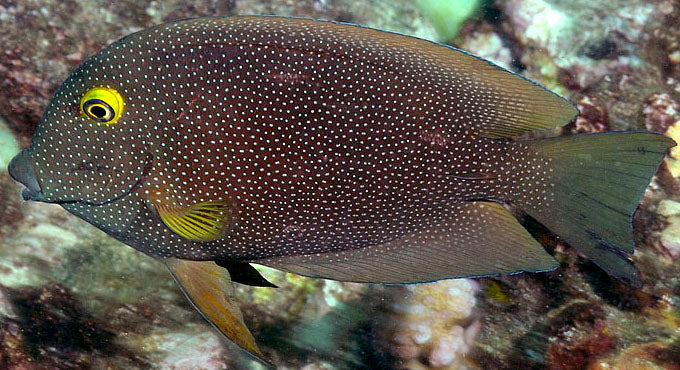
(329, 150)
(324, 140)
(313, 172)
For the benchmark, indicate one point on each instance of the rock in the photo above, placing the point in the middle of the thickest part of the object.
(592, 115)
(8, 145)
(431, 325)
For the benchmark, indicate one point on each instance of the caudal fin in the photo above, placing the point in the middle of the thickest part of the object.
(597, 184)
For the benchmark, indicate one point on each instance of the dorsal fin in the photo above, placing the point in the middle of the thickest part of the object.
(503, 103)
(495, 101)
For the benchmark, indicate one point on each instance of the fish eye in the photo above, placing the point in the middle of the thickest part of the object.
(102, 104)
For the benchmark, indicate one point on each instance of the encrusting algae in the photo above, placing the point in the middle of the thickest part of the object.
(430, 325)
(327, 150)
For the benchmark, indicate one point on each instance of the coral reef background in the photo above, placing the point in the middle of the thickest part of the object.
(71, 297)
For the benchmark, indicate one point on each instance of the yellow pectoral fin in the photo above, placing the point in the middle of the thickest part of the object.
(202, 222)
(209, 288)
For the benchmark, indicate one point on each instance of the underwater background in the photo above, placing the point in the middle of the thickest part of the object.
(73, 298)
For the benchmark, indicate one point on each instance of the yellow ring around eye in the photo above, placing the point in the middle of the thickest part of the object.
(102, 104)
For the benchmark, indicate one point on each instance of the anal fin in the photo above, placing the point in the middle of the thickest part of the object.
(477, 239)
(208, 287)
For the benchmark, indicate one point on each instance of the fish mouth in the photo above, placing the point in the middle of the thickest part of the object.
(23, 173)
(28, 194)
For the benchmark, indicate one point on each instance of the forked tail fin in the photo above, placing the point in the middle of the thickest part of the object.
(597, 183)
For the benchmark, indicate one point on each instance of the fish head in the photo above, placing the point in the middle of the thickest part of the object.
(92, 144)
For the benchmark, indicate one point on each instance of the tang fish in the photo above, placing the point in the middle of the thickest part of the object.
(328, 150)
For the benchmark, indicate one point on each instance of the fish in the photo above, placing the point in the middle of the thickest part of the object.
(328, 150)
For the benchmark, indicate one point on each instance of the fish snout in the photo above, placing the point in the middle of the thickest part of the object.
(23, 172)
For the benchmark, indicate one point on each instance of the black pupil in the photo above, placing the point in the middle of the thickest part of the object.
(98, 111)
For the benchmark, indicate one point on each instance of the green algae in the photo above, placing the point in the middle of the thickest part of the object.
(448, 16)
